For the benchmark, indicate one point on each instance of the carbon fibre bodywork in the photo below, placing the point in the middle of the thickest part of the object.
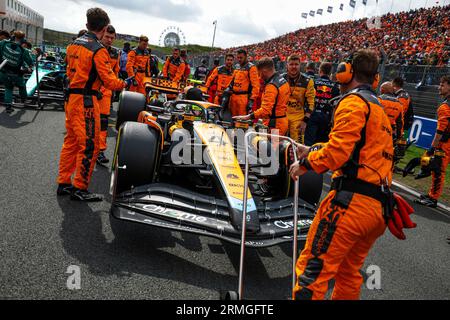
(170, 207)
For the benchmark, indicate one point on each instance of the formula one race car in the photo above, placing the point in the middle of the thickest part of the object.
(176, 166)
(47, 82)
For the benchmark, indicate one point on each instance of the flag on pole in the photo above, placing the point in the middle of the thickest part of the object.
(342, 6)
(312, 13)
(353, 3)
(330, 10)
(215, 22)
(365, 2)
(320, 11)
(304, 15)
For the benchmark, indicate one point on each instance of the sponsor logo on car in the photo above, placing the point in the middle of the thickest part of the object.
(232, 176)
(175, 214)
(290, 225)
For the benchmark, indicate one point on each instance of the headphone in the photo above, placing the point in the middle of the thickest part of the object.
(345, 73)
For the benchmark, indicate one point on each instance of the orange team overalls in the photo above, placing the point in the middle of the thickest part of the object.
(221, 77)
(394, 110)
(274, 104)
(245, 87)
(301, 102)
(187, 72)
(138, 65)
(88, 67)
(443, 128)
(408, 112)
(105, 102)
(350, 219)
(212, 88)
(174, 69)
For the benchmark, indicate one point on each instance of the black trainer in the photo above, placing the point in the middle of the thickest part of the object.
(85, 196)
(102, 159)
(427, 201)
(64, 190)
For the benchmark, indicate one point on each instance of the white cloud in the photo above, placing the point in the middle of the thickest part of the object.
(239, 22)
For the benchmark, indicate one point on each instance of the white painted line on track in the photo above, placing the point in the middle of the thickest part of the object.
(417, 194)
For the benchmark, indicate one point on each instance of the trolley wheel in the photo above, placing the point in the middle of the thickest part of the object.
(231, 296)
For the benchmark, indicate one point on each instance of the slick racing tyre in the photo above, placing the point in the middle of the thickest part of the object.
(311, 185)
(131, 104)
(137, 157)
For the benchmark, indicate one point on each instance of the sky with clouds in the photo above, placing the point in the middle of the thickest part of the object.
(239, 22)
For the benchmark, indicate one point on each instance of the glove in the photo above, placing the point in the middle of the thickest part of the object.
(401, 218)
(250, 106)
(431, 151)
(131, 81)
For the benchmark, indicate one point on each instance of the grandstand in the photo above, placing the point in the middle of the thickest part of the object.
(417, 37)
(416, 43)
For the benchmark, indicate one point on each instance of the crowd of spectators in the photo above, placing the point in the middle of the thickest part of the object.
(417, 37)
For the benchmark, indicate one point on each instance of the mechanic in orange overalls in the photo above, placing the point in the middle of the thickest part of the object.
(442, 142)
(213, 86)
(405, 99)
(105, 102)
(244, 86)
(174, 67)
(393, 109)
(138, 65)
(350, 219)
(187, 69)
(301, 100)
(88, 68)
(274, 99)
(221, 77)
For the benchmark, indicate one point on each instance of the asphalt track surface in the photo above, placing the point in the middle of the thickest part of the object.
(41, 236)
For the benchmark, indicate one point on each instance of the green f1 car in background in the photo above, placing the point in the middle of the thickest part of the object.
(45, 83)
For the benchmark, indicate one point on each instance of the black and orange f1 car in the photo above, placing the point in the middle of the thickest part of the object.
(176, 166)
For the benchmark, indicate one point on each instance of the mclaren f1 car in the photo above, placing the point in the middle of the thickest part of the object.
(177, 166)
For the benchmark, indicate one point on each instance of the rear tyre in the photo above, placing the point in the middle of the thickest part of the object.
(310, 187)
(131, 104)
(310, 184)
(138, 151)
